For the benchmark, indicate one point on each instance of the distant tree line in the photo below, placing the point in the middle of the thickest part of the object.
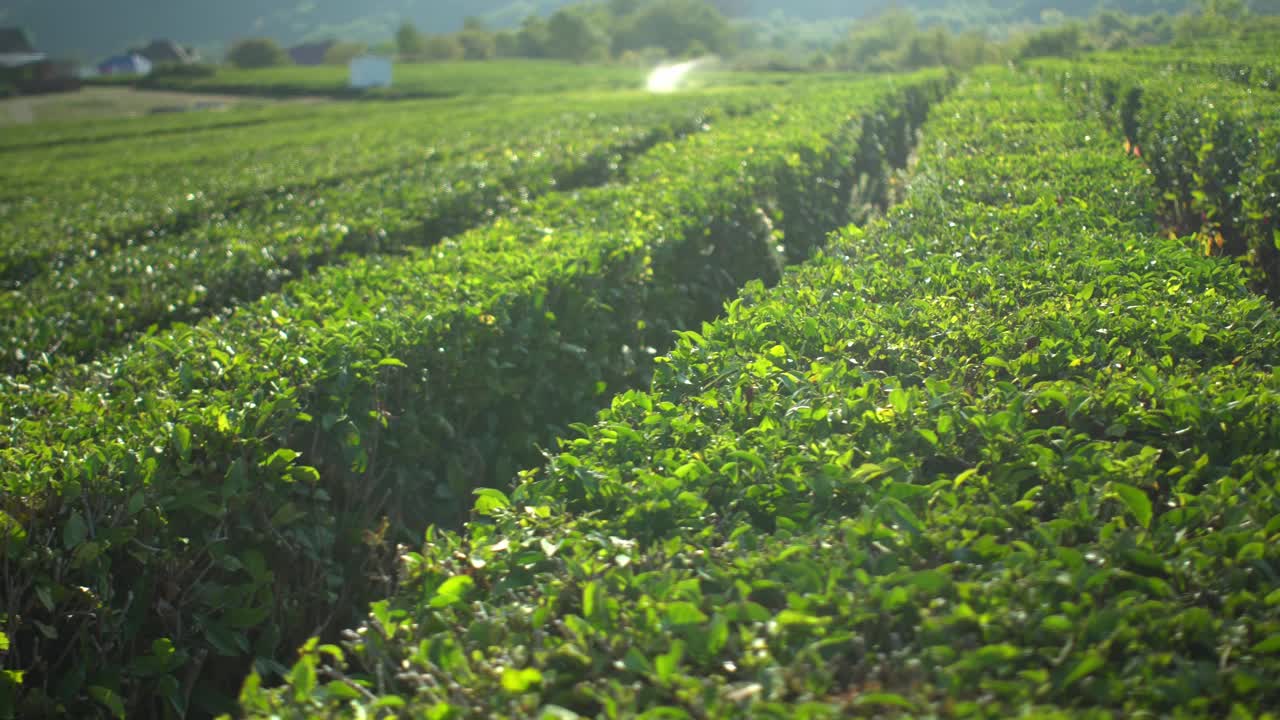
(587, 32)
(896, 41)
(647, 31)
(254, 53)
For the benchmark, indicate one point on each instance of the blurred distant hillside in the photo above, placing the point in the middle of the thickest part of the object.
(91, 28)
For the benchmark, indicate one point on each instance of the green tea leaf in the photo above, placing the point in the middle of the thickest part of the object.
(684, 613)
(489, 501)
(1270, 646)
(788, 618)
(1251, 552)
(884, 699)
(899, 400)
(520, 681)
(1057, 624)
(1091, 663)
(109, 699)
(341, 691)
(452, 591)
(75, 531)
(666, 664)
(717, 635)
(1137, 502)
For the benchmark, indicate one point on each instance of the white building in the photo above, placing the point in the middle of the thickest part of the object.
(370, 71)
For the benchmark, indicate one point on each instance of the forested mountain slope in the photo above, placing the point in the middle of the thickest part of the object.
(92, 27)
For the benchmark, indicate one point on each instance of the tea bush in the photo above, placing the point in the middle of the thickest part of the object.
(1011, 451)
(214, 493)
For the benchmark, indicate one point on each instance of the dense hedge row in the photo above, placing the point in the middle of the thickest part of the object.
(214, 492)
(1262, 72)
(1010, 451)
(1212, 145)
(77, 309)
(1244, 63)
(71, 195)
(501, 79)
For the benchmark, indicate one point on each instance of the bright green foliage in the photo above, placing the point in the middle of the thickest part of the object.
(213, 493)
(676, 26)
(575, 37)
(87, 189)
(464, 169)
(256, 53)
(1250, 67)
(1011, 451)
(488, 79)
(1207, 129)
(432, 80)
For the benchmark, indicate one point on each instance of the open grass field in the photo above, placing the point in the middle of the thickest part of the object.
(929, 395)
(442, 80)
(98, 103)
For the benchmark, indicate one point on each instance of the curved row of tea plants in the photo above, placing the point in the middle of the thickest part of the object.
(1008, 453)
(81, 308)
(66, 205)
(1251, 68)
(1212, 145)
(498, 78)
(64, 136)
(213, 493)
(502, 78)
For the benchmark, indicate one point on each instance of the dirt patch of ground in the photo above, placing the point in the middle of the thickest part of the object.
(105, 102)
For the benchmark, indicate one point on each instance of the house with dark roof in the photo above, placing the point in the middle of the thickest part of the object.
(312, 53)
(14, 41)
(29, 71)
(125, 65)
(16, 49)
(167, 52)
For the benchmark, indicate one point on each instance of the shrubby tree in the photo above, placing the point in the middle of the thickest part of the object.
(645, 57)
(533, 40)
(696, 50)
(341, 53)
(972, 48)
(1064, 41)
(1216, 19)
(257, 53)
(929, 48)
(571, 36)
(876, 45)
(506, 44)
(1156, 29)
(676, 25)
(409, 42)
(442, 48)
(477, 44)
(1232, 10)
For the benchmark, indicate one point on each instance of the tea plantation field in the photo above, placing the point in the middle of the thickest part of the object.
(490, 78)
(922, 395)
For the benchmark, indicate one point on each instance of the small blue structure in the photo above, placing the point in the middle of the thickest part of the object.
(125, 65)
